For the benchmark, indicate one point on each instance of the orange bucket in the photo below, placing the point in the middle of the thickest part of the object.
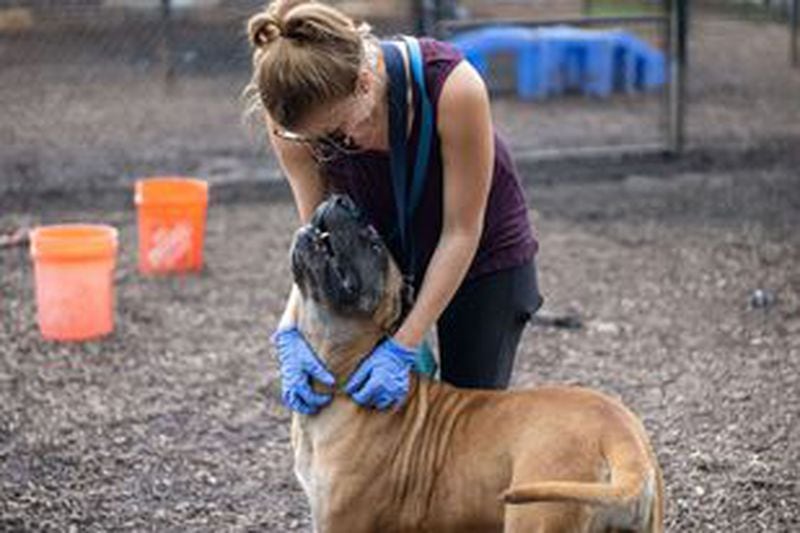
(172, 220)
(73, 272)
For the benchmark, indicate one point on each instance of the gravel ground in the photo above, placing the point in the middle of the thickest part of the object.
(173, 423)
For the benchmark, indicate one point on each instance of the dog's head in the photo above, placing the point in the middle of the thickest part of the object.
(340, 262)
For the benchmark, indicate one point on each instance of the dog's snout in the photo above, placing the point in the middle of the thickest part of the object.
(344, 202)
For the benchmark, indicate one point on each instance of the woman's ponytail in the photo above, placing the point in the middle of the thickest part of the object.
(263, 29)
(306, 54)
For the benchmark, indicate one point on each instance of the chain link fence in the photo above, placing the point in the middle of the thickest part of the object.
(96, 93)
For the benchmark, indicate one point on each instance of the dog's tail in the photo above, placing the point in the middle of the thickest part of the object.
(629, 502)
(630, 493)
(621, 492)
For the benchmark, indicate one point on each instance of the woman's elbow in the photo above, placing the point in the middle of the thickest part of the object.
(463, 235)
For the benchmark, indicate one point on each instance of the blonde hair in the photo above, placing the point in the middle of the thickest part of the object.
(305, 55)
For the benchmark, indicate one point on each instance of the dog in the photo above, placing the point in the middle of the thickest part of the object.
(551, 459)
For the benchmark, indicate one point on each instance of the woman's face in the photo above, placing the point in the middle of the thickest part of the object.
(348, 125)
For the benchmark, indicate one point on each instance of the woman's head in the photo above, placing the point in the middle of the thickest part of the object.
(306, 56)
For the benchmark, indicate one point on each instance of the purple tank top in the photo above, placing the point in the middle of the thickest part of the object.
(507, 240)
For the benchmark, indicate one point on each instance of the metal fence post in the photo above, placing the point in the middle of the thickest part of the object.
(679, 26)
(426, 16)
(165, 41)
(794, 21)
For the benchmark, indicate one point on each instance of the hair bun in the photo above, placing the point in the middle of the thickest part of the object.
(264, 29)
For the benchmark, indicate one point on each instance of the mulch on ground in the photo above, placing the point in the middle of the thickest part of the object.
(174, 422)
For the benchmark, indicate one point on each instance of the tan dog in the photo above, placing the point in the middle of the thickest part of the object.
(449, 459)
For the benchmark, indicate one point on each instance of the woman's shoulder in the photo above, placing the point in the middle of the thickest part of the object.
(440, 57)
(434, 50)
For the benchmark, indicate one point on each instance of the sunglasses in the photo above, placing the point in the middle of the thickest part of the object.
(326, 146)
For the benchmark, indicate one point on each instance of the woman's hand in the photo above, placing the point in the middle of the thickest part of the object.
(382, 379)
(299, 365)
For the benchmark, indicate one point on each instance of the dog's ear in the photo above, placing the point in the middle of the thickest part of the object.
(407, 298)
(392, 308)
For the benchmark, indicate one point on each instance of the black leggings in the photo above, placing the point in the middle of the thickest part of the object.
(480, 329)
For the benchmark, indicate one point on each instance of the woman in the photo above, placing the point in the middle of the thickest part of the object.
(324, 84)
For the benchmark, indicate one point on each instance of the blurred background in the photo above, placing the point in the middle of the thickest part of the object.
(98, 92)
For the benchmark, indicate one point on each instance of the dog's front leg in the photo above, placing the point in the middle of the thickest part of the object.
(304, 468)
(337, 500)
(355, 519)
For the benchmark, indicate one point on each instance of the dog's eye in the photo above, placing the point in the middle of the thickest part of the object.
(360, 216)
(371, 235)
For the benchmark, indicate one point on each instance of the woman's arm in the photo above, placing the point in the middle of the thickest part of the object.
(467, 137)
(308, 189)
(298, 363)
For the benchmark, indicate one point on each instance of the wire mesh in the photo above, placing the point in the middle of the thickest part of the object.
(96, 93)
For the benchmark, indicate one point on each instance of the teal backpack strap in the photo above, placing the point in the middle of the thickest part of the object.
(426, 124)
(407, 185)
(398, 118)
(425, 362)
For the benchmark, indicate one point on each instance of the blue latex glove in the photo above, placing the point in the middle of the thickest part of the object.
(299, 365)
(382, 380)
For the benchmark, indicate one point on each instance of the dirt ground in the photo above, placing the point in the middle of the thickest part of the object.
(174, 422)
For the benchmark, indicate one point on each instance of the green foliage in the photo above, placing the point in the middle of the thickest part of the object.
(616, 8)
